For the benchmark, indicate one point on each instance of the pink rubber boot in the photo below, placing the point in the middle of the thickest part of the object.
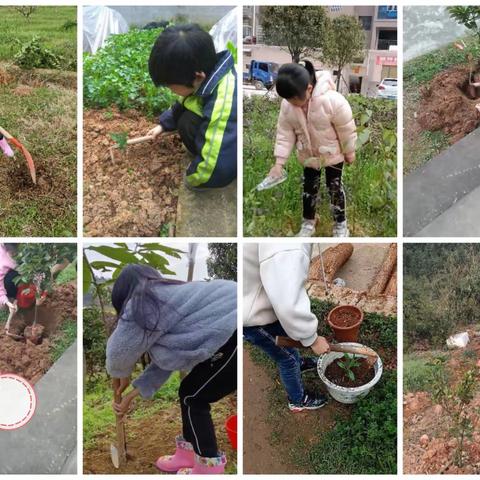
(5, 147)
(182, 458)
(206, 466)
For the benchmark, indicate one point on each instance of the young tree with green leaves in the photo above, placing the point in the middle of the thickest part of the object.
(346, 43)
(469, 16)
(303, 30)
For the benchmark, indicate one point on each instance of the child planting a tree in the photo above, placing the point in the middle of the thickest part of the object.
(183, 326)
(12, 294)
(184, 59)
(276, 304)
(318, 120)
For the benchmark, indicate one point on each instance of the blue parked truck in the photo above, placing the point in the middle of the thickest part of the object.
(261, 74)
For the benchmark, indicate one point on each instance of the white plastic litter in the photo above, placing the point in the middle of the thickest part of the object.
(225, 30)
(98, 24)
(340, 282)
(459, 340)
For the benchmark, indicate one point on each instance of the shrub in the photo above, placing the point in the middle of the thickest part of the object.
(34, 54)
(118, 74)
(94, 341)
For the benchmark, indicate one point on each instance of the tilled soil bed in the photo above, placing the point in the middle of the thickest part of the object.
(444, 106)
(24, 358)
(136, 195)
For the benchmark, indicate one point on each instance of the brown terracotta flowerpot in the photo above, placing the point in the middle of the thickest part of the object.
(345, 322)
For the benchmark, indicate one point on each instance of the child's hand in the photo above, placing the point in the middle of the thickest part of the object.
(124, 406)
(120, 384)
(320, 346)
(12, 307)
(276, 171)
(350, 157)
(155, 132)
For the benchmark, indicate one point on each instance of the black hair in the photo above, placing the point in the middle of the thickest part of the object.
(10, 285)
(294, 78)
(178, 53)
(135, 283)
(11, 248)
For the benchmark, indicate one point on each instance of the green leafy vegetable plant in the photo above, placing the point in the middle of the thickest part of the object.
(348, 363)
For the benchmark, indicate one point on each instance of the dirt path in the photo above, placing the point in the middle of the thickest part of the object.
(150, 437)
(272, 435)
(28, 360)
(136, 196)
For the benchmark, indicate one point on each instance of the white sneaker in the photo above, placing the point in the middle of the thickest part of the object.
(307, 229)
(340, 229)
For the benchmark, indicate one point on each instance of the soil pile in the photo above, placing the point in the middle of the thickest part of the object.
(138, 194)
(444, 106)
(24, 358)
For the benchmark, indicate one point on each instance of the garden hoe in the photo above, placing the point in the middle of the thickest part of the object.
(118, 452)
(135, 141)
(334, 347)
(25, 153)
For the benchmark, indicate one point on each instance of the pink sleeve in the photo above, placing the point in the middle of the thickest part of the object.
(342, 119)
(286, 137)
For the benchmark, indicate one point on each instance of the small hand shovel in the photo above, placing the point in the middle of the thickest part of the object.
(334, 347)
(118, 452)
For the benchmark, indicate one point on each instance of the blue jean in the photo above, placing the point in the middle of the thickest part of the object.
(287, 359)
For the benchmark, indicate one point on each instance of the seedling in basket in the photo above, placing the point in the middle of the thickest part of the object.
(347, 364)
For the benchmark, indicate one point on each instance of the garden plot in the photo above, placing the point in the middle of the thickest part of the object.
(136, 194)
(56, 315)
(277, 441)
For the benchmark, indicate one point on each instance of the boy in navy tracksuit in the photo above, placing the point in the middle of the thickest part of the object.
(184, 59)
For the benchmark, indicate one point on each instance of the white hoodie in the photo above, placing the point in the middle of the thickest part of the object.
(274, 277)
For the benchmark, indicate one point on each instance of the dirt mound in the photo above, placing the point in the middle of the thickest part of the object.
(149, 438)
(28, 360)
(138, 194)
(444, 106)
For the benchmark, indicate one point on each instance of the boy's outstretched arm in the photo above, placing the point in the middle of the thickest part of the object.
(168, 119)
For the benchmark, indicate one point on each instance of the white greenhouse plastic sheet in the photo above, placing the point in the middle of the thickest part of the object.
(225, 30)
(98, 24)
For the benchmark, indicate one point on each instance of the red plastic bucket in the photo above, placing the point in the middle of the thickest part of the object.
(231, 426)
(26, 296)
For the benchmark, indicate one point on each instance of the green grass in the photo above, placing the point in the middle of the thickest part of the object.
(362, 442)
(422, 69)
(65, 337)
(45, 22)
(370, 183)
(45, 122)
(417, 373)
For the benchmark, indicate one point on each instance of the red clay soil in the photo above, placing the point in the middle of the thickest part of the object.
(445, 107)
(138, 194)
(24, 358)
(363, 374)
(150, 437)
(428, 445)
(263, 422)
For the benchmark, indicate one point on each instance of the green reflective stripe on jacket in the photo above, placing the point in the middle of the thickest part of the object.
(215, 131)
(194, 104)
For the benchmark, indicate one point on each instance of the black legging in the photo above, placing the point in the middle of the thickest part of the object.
(311, 185)
(208, 382)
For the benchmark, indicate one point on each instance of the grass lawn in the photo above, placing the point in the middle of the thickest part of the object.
(370, 183)
(48, 23)
(421, 146)
(44, 120)
(363, 439)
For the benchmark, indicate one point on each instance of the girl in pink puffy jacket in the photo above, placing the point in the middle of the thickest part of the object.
(318, 121)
